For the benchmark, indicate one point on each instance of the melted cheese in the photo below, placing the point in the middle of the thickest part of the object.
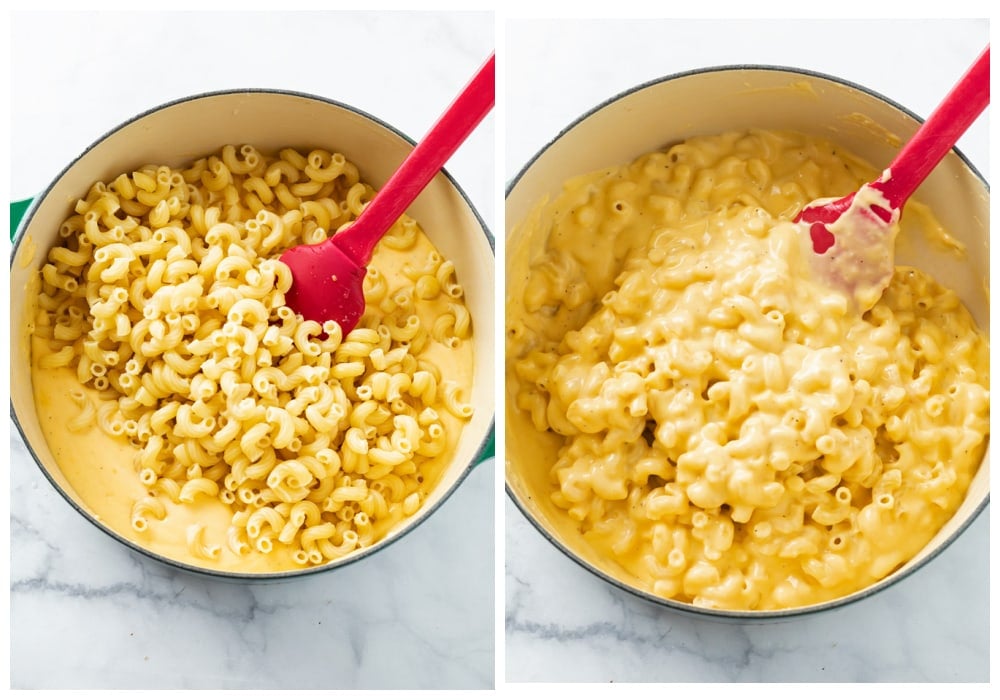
(694, 411)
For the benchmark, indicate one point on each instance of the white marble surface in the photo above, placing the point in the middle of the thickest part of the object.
(564, 624)
(86, 612)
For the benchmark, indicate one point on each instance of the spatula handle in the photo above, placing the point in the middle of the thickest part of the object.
(427, 158)
(939, 133)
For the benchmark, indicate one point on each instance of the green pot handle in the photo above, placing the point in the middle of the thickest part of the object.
(489, 448)
(17, 210)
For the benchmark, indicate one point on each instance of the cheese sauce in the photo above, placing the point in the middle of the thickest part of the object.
(695, 412)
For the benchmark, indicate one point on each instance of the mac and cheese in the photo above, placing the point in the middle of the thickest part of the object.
(250, 439)
(713, 420)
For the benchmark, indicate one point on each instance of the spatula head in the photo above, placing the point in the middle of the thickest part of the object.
(851, 242)
(326, 284)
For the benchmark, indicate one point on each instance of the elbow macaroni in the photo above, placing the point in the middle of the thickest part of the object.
(719, 425)
(165, 299)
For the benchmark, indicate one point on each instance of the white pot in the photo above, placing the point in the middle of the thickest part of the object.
(714, 101)
(175, 134)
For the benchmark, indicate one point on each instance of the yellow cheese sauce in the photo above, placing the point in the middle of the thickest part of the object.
(99, 467)
(860, 260)
(251, 521)
(694, 412)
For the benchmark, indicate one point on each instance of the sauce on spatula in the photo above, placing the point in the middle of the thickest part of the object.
(851, 239)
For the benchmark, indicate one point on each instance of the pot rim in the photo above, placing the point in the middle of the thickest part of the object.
(726, 68)
(482, 452)
(687, 608)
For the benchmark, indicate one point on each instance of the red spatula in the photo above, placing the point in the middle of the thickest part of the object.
(853, 237)
(327, 277)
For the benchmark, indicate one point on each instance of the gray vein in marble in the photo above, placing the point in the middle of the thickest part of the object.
(246, 613)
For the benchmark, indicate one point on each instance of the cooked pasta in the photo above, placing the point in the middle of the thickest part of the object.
(714, 421)
(164, 304)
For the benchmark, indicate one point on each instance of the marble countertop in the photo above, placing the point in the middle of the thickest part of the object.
(564, 624)
(86, 612)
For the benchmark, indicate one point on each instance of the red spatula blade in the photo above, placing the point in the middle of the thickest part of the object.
(326, 284)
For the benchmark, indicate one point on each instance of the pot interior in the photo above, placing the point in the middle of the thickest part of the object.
(182, 131)
(716, 101)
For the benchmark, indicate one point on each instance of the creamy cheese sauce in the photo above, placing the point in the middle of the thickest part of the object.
(860, 260)
(101, 470)
(694, 412)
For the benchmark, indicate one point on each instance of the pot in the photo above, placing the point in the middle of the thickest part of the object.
(181, 131)
(713, 101)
